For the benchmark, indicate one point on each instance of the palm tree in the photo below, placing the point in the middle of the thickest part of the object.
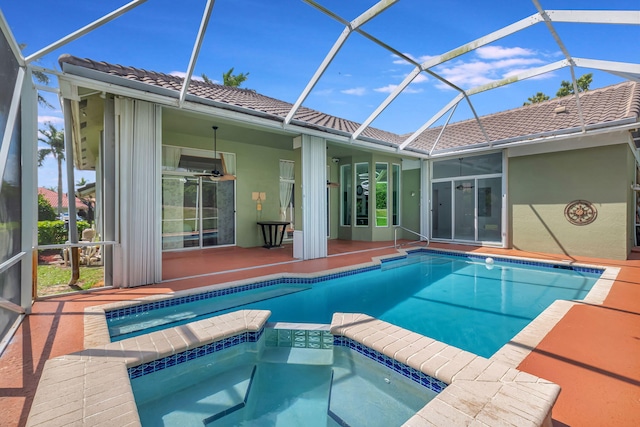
(54, 138)
(229, 79)
(81, 182)
(234, 80)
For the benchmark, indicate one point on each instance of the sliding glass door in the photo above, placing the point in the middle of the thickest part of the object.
(466, 202)
(197, 212)
(464, 212)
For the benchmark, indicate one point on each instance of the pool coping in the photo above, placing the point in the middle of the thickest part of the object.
(92, 387)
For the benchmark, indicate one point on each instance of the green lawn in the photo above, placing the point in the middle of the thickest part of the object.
(54, 279)
(381, 217)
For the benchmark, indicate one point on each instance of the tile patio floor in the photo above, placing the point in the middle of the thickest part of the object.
(593, 352)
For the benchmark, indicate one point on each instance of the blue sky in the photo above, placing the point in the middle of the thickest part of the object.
(281, 43)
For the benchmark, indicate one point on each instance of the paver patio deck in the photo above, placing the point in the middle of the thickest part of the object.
(593, 352)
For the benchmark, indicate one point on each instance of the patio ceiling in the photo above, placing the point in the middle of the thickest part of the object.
(543, 17)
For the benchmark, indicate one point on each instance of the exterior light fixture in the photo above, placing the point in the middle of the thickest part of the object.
(258, 197)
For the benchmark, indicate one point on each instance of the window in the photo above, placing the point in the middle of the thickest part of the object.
(395, 198)
(346, 204)
(362, 193)
(287, 180)
(382, 181)
(487, 164)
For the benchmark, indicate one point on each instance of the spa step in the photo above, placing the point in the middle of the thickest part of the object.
(297, 356)
(206, 400)
(229, 400)
(285, 394)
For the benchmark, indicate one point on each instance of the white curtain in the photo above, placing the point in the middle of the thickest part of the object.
(170, 157)
(286, 185)
(314, 197)
(137, 260)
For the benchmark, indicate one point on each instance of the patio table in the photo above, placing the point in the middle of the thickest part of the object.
(270, 231)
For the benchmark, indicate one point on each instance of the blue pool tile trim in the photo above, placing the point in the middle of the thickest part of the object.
(194, 353)
(298, 338)
(421, 378)
(185, 356)
(511, 261)
(143, 308)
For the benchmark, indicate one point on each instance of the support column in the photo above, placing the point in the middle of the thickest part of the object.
(109, 207)
(314, 196)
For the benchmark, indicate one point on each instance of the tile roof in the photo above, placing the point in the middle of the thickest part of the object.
(52, 197)
(600, 107)
(231, 96)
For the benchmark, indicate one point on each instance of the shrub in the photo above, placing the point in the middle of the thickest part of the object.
(55, 232)
(45, 210)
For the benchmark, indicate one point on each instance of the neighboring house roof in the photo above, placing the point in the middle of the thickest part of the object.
(52, 197)
(613, 105)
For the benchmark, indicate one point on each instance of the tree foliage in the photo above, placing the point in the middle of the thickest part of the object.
(538, 97)
(45, 210)
(54, 139)
(233, 80)
(41, 78)
(228, 78)
(566, 88)
(583, 82)
(206, 79)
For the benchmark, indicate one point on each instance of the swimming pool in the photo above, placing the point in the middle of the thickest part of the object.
(459, 299)
(272, 383)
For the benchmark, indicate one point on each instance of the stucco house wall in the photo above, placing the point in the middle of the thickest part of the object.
(541, 186)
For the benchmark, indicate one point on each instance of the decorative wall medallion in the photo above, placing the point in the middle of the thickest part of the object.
(580, 212)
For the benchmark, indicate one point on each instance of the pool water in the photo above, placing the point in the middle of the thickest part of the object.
(461, 301)
(278, 387)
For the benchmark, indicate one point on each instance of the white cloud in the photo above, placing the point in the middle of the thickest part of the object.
(491, 63)
(52, 119)
(386, 89)
(420, 78)
(538, 77)
(193, 77)
(357, 91)
(479, 67)
(499, 52)
(391, 88)
(420, 59)
(516, 62)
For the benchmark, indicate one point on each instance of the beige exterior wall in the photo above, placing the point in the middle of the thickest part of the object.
(541, 185)
(410, 204)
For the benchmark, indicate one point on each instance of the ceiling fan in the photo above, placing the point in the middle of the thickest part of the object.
(215, 174)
